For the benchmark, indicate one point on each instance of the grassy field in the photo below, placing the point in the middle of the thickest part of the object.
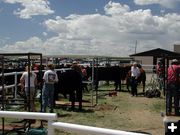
(121, 112)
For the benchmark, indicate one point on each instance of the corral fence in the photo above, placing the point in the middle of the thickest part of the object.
(51, 117)
(14, 86)
(149, 68)
(52, 125)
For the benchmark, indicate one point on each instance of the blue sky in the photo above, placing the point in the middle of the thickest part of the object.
(92, 27)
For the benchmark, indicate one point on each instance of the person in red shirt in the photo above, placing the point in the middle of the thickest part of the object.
(84, 77)
(173, 87)
(160, 74)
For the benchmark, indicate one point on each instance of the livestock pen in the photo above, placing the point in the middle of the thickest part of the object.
(118, 109)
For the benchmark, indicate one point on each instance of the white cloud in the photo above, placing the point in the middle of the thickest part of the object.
(96, 10)
(116, 34)
(164, 3)
(31, 8)
(112, 34)
(33, 44)
(115, 8)
(44, 33)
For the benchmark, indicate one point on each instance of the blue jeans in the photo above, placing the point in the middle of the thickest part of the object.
(48, 97)
(172, 92)
(134, 84)
(30, 100)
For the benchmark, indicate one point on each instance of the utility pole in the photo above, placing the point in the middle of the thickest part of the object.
(135, 46)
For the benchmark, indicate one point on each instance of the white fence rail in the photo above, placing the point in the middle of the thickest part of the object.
(51, 117)
(32, 115)
(15, 84)
(90, 130)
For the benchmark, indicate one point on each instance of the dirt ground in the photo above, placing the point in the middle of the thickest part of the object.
(121, 112)
(140, 117)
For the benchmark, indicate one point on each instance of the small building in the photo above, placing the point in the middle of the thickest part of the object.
(151, 57)
(177, 48)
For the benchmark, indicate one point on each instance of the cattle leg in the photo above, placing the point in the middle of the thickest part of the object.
(55, 96)
(116, 83)
(144, 84)
(79, 97)
(72, 99)
(85, 88)
(128, 84)
(120, 86)
(96, 85)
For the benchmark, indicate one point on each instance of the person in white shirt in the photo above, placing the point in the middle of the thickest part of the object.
(135, 73)
(50, 77)
(25, 86)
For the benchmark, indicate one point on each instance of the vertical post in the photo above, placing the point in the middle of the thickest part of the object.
(40, 76)
(165, 73)
(135, 47)
(92, 82)
(97, 81)
(166, 84)
(29, 66)
(154, 64)
(15, 88)
(50, 128)
(3, 92)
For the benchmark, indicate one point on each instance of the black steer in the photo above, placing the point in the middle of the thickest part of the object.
(70, 82)
(114, 73)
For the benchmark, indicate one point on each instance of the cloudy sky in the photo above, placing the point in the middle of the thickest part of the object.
(88, 27)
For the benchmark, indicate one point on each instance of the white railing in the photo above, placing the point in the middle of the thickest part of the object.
(149, 68)
(51, 117)
(90, 130)
(15, 85)
(12, 85)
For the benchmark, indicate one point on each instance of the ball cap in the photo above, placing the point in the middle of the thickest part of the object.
(174, 60)
(134, 63)
(75, 62)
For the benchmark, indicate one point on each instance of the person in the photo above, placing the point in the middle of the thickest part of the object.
(142, 77)
(84, 73)
(77, 67)
(173, 87)
(25, 86)
(135, 72)
(128, 80)
(50, 77)
(84, 77)
(160, 73)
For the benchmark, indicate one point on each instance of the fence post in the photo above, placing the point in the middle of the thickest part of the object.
(50, 128)
(15, 82)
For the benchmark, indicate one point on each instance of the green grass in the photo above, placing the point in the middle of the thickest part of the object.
(158, 105)
(121, 112)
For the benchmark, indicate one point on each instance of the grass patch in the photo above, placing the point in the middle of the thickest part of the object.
(158, 105)
(121, 112)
